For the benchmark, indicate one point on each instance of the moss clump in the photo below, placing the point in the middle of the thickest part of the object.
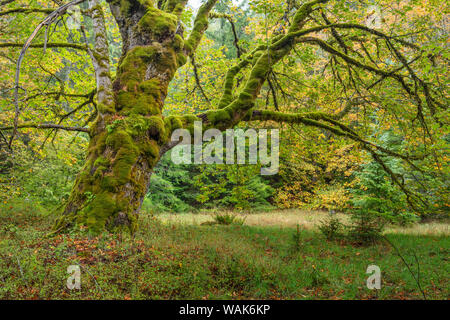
(141, 104)
(158, 23)
(98, 141)
(101, 161)
(137, 95)
(125, 159)
(100, 172)
(97, 212)
(177, 42)
(133, 66)
(220, 116)
(126, 6)
(151, 87)
(150, 149)
(156, 128)
(172, 123)
(181, 59)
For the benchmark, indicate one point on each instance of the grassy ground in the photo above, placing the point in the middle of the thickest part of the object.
(174, 257)
(309, 220)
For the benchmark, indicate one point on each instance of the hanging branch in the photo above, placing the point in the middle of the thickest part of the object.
(239, 50)
(197, 79)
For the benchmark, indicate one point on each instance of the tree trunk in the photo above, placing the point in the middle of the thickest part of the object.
(129, 131)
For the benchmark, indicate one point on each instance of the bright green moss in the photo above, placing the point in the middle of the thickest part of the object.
(178, 42)
(137, 103)
(105, 108)
(151, 87)
(101, 161)
(172, 123)
(245, 97)
(218, 116)
(99, 172)
(188, 46)
(156, 128)
(133, 66)
(158, 23)
(97, 211)
(125, 7)
(181, 59)
(118, 138)
(123, 163)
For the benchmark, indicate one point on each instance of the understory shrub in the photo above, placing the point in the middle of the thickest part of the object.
(227, 218)
(332, 228)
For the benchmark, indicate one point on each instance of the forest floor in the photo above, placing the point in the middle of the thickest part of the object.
(175, 257)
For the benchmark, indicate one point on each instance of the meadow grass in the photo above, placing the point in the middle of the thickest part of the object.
(175, 257)
(309, 220)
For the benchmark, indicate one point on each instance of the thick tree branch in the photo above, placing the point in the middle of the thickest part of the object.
(45, 126)
(274, 52)
(26, 11)
(315, 119)
(200, 26)
(42, 45)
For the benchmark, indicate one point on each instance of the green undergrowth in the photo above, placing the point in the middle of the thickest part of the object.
(168, 261)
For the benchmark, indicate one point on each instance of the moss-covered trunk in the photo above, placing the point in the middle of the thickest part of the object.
(130, 130)
(110, 188)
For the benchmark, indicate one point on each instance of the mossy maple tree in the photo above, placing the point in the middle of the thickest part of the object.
(130, 133)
